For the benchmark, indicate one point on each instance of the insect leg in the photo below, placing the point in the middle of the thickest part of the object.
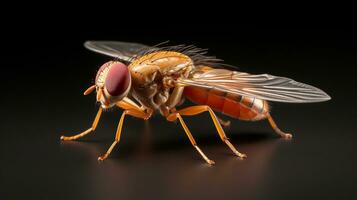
(92, 128)
(134, 113)
(173, 117)
(128, 104)
(194, 110)
(276, 129)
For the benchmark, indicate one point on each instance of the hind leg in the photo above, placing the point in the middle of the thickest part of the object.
(277, 129)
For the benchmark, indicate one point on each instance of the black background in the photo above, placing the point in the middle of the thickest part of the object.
(46, 69)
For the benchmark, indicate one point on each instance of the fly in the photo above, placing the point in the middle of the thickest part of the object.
(142, 80)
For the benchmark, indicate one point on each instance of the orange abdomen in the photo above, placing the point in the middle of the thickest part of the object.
(244, 108)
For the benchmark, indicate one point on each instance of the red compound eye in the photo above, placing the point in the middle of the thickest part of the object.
(118, 79)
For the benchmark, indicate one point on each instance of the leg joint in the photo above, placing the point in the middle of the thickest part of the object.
(172, 117)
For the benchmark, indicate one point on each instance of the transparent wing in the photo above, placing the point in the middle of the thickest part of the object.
(261, 86)
(121, 50)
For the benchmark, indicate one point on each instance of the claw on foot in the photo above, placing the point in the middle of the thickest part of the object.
(287, 136)
(102, 158)
(64, 138)
(210, 162)
(241, 155)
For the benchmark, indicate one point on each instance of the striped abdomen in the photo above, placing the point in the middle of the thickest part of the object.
(244, 108)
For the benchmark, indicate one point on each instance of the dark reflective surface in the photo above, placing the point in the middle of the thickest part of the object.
(155, 159)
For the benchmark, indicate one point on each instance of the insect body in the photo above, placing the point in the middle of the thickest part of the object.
(154, 76)
(145, 79)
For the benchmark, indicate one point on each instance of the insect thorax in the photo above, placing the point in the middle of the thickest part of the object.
(154, 75)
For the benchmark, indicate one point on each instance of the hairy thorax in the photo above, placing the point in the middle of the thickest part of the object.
(154, 75)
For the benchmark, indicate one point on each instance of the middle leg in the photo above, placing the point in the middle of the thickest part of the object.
(195, 110)
(172, 117)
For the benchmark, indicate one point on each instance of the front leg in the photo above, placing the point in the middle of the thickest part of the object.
(91, 129)
(128, 104)
(135, 113)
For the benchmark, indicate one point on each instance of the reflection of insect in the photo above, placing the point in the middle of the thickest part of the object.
(145, 79)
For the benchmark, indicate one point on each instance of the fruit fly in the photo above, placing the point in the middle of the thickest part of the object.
(143, 80)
